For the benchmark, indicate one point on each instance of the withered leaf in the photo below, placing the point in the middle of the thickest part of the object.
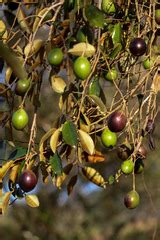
(58, 84)
(54, 139)
(71, 184)
(32, 200)
(82, 49)
(5, 202)
(94, 176)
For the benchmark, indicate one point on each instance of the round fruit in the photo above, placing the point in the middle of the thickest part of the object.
(19, 119)
(117, 121)
(108, 7)
(111, 75)
(157, 16)
(55, 56)
(108, 138)
(139, 166)
(127, 166)
(124, 152)
(82, 67)
(137, 47)
(148, 63)
(27, 180)
(84, 34)
(142, 152)
(22, 86)
(131, 200)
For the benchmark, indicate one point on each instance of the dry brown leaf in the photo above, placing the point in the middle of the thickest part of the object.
(71, 184)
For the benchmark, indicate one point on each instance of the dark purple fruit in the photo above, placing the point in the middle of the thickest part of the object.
(124, 152)
(137, 47)
(117, 121)
(27, 180)
(139, 166)
(131, 200)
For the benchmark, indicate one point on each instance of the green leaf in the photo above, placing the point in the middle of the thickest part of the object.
(94, 16)
(56, 164)
(117, 33)
(19, 152)
(98, 102)
(5, 149)
(69, 134)
(95, 88)
(116, 50)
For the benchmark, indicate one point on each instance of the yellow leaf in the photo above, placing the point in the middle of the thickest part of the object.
(14, 172)
(86, 142)
(59, 180)
(5, 202)
(5, 168)
(21, 17)
(58, 84)
(32, 200)
(85, 49)
(8, 74)
(40, 15)
(92, 175)
(42, 141)
(33, 47)
(156, 82)
(2, 28)
(54, 139)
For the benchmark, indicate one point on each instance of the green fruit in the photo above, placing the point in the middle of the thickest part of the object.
(108, 138)
(22, 86)
(111, 75)
(84, 34)
(108, 7)
(131, 200)
(82, 67)
(19, 119)
(127, 166)
(55, 56)
(148, 63)
(157, 16)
